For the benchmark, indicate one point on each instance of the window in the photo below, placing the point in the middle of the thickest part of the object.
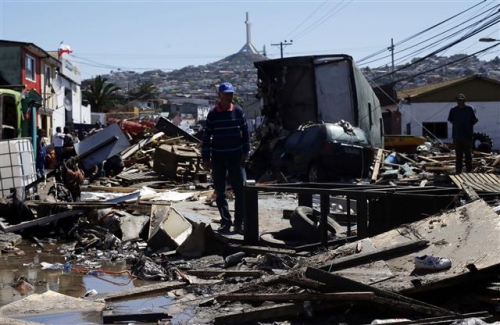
(47, 75)
(30, 68)
(437, 129)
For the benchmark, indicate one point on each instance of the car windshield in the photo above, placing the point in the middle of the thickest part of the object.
(337, 133)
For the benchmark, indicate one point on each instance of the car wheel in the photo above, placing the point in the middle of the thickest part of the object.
(316, 173)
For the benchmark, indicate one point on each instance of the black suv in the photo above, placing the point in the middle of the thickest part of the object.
(323, 152)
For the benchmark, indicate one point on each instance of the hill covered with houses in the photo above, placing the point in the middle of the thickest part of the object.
(201, 81)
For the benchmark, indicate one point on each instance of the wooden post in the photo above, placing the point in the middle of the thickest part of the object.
(250, 215)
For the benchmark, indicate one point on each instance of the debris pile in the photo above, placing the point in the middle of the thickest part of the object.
(360, 258)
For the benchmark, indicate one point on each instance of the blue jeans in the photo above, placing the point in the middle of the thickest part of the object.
(223, 165)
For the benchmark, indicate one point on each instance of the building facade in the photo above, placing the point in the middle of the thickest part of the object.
(424, 110)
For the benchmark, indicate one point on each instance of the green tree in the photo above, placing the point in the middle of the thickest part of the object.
(100, 94)
(145, 90)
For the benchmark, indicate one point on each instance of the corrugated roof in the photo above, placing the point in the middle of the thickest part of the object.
(427, 89)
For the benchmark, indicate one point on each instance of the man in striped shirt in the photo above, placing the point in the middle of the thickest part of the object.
(224, 150)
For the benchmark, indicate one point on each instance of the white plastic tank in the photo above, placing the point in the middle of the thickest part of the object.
(17, 166)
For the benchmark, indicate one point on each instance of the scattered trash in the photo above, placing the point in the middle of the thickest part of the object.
(233, 259)
(56, 266)
(90, 293)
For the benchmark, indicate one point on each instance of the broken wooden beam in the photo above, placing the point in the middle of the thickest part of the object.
(133, 149)
(378, 161)
(380, 253)
(261, 313)
(442, 319)
(109, 318)
(139, 291)
(333, 242)
(339, 283)
(225, 273)
(249, 249)
(342, 296)
(41, 221)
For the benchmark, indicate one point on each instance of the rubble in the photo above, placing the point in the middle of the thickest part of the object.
(354, 266)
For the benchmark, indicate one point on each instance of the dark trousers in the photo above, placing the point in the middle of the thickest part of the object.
(40, 165)
(224, 165)
(58, 152)
(463, 147)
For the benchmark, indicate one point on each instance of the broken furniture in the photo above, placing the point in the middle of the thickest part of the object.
(176, 162)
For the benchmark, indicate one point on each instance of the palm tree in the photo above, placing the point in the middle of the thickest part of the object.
(100, 93)
(145, 90)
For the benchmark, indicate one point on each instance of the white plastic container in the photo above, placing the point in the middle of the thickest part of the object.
(17, 166)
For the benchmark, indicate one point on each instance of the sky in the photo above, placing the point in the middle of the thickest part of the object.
(142, 35)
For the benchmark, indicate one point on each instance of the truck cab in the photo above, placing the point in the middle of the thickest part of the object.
(10, 114)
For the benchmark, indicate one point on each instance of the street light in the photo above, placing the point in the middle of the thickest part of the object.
(488, 39)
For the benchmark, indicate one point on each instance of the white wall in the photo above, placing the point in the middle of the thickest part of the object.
(79, 113)
(488, 114)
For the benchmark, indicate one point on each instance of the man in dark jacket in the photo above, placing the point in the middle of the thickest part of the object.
(462, 117)
(225, 147)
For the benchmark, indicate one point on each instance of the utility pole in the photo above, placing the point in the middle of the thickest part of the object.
(391, 48)
(282, 45)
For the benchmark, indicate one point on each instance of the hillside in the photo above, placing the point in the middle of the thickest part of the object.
(238, 68)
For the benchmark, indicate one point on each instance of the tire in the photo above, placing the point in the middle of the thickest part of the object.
(284, 238)
(316, 173)
(484, 147)
(306, 222)
(484, 140)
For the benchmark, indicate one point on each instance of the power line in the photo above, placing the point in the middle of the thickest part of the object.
(282, 45)
(449, 45)
(446, 64)
(418, 34)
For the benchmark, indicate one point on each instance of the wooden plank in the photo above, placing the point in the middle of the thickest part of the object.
(402, 306)
(380, 253)
(114, 189)
(378, 161)
(450, 158)
(42, 221)
(262, 250)
(139, 291)
(343, 296)
(457, 180)
(225, 273)
(339, 283)
(405, 157)
(439, 168)
(109, 318)
(131, 150)
(427, 159)
(444, 320)
(469, 192)
(493, 178)
(261, 313)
